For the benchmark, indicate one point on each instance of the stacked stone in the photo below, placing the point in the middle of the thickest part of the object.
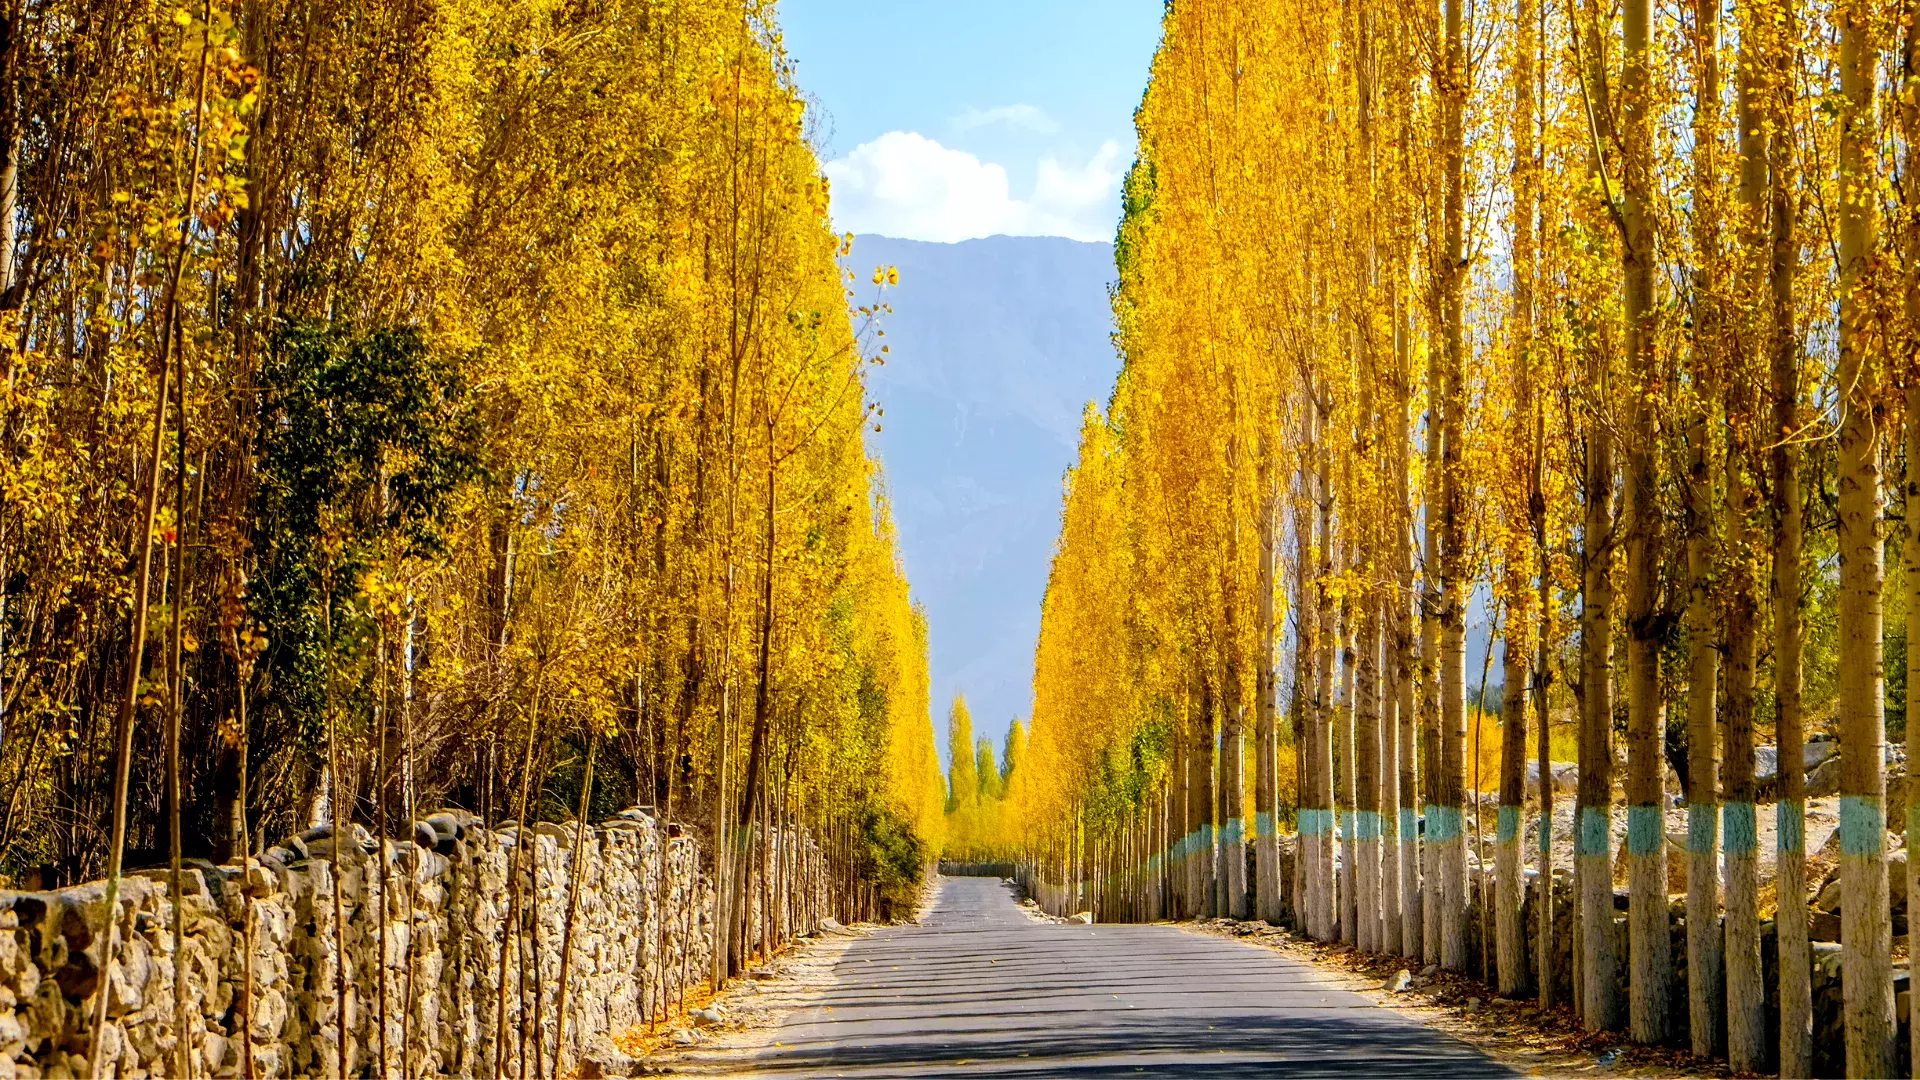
(445, 929)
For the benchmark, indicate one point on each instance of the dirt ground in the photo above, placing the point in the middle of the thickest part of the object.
(752, 1008)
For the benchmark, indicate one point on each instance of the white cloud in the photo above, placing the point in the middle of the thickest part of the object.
(906, 185)
(1029, 117)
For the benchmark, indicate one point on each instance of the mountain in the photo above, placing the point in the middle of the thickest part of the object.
(996, 346)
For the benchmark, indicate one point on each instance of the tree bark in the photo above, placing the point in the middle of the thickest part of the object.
(1326, 641)
(1432, 842)
(1411, 918)
(1343, 720)
(1796, 976)
(1202, 791)
(1910, 560)
(1866, 928)
(1266, 840)
(1306, 681)
(1509, 863)
(1650, 951)
(1593, 811)
(1232, 873)
(1445, 822)
(1746, 995)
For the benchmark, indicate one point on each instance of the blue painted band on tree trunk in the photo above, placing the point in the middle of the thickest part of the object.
(1316, 822)
(1262, 825)
(1703, 828)
(1546, 835)
(1346, 827)
(1594, 826)
(1409, 825)
(1234, 833)
(1509, 827)
(1389, 826)
(1863, 826)
(1366, 825)
(1206, 836)
(1646, 828)
(1443, 824)
(1740, 829)
(1790, 827)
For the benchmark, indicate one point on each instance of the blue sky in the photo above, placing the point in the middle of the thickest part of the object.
(951, 121)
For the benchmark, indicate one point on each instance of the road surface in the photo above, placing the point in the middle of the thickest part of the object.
(980, 988)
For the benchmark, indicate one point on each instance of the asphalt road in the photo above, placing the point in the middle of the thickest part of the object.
(979, 988)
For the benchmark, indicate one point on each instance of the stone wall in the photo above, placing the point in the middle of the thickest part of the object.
(636, 942)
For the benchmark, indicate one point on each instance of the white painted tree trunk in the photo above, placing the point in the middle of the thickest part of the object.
(1865, 923)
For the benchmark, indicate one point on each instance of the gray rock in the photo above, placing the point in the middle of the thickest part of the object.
(1083, 918)
(1399, 983)
(1824, 926)
(1824, 779)
(606, 1063)
(1819, 749)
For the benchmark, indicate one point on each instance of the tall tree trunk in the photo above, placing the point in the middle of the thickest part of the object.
(1266, 841)
(1206, 745)
(1326, 641)
(1593, 811)
(1510, 934)
(1366, 747)
(1306, 682)
(1343, 719)
(1365, 850)
(1403, 632)
(1545, 951)
(1910, 582)
(1179, 825)
(1704, 964)
(1434, 840)
(1444, 823)
(1866, 927)
(1910, 554)
(1510, 928)
(1746, 995)
(1232, 873)
(1391, 916)
(1796, 975)
(1650, 950)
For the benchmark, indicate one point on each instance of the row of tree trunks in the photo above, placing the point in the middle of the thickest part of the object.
(1379, 723)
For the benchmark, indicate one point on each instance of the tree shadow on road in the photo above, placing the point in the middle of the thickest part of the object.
(1231, 1045)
